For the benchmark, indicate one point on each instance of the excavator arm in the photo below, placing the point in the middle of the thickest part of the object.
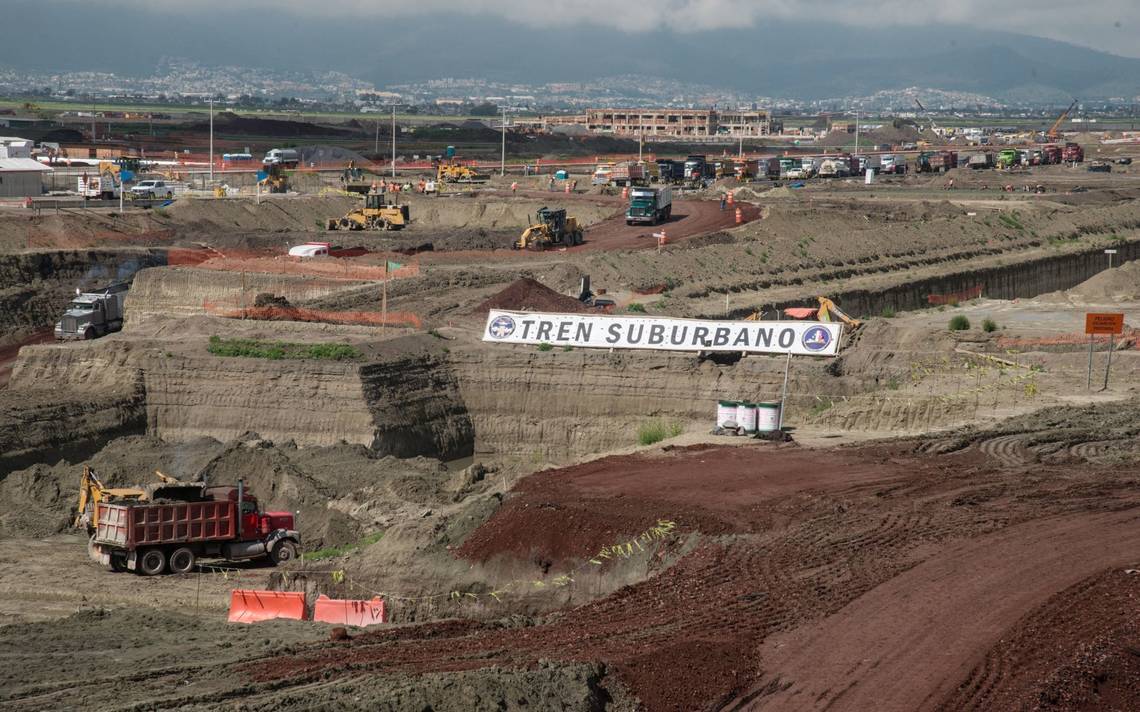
(1052, 133)
(828, 309)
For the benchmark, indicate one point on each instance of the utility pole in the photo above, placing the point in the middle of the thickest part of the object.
(856, 132)
(93, 137)
(503, 151)
(376, 148)
(393, 140)
(211, 141)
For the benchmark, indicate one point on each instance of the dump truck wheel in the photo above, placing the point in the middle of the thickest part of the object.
(181, 561)
(88, 333)
(152, 562)
(283, 553)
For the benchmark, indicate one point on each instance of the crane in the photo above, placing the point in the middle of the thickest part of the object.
(922, 108)
(1052, 133)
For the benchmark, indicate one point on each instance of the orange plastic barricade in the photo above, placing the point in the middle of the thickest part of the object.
(252, 606)
(348, 612)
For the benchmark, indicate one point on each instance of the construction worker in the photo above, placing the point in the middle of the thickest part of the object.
(551, 182)
(514, 187)
(723, 202)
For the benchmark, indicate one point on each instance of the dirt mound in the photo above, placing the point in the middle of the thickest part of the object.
(1116, 284)
(340, 493)
(527, 294)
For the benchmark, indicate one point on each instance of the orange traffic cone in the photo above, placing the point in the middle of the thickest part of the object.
(729, 197)
(739, 216)
(567, 186)
(625, 193)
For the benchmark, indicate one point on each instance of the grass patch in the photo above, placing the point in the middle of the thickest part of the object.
(989, 325)
(888, 313)
(959, 322)
(1010, 221)
(276, 350)
(545, 346)
(331, 552)
(636, 307)
(820, 406)
(654, 431)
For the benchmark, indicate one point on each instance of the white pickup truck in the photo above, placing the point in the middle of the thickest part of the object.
(157, 189)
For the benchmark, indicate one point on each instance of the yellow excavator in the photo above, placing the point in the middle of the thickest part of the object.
(92, 491)
(551, 228)
(375, 213)
(275, 181)
(826, 311)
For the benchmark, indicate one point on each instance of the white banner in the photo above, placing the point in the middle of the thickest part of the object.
(804, 338)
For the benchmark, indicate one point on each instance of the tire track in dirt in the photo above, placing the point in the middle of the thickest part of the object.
(905, 644)
(1007, 449)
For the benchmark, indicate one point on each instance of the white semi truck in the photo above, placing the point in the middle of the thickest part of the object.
(93, 314)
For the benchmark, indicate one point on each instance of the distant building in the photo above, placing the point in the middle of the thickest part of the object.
(20, 176)
(679, 123)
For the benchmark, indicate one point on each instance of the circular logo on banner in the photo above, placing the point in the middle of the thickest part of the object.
(817, 338)
(502, 327)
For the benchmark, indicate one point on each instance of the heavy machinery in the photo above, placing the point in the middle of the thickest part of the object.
(92, 492)
(275, 180)
(1054, 131)
(826, 311)
(649, 205)
(353, 179)
(168, 534)
(1008, 158)
(93, 314)
(451, 171)
(1072, 153)
(551, 228)
(374, 213)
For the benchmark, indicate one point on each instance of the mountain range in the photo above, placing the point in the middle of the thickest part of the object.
(786, 59)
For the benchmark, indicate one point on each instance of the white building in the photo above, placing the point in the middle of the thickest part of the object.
(20, 175)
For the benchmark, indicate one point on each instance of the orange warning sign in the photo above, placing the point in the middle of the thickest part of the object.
(1104, 323)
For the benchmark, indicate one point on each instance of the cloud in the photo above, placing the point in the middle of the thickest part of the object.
(1104, 24)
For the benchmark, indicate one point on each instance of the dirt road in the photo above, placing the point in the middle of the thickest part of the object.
(690, 218)
(906, 644)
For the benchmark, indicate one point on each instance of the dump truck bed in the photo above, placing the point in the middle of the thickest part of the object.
(149, 524)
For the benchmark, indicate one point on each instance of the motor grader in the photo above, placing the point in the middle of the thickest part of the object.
(375, 213)
(551, 228)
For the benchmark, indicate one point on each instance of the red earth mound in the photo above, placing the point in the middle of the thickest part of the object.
(527, 294)
(822, 579)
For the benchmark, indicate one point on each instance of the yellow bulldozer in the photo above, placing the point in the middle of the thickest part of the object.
(551, 228)
(92, 491)
(375, 213)
(451, 171)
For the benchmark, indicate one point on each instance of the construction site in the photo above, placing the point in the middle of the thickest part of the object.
(401, 496)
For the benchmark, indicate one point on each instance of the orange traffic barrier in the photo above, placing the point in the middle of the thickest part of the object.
(739, 216)
(729, 197)
(348, 612)
(248, 606)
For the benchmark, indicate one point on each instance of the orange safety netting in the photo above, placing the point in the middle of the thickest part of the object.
(331, 268)
(955, 297)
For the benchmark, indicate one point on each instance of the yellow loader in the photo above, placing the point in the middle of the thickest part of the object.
(375, 213)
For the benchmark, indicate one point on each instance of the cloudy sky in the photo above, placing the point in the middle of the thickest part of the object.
(1109, 25)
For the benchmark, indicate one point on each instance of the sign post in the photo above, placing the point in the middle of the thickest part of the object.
(1110, 253)
(1103, 323)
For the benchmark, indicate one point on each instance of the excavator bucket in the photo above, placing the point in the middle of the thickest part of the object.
(248, 606)
(348, 612)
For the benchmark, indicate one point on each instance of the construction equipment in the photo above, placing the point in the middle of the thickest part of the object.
(826, 311)
(649, 205)
(374, 213)
(275, 180)
(1072, 153)
(1008, 158)
(353, 181)
(1054, 131)
(93, 314)
(158, 535)
(452, 171)
(92, 491)
(551, 228)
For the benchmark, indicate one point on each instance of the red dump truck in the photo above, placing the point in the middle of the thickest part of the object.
(629, 173)
(1073, 153)
(169, 536)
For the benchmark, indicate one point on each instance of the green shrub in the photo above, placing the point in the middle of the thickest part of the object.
(331, 552)
(636, 307)
(959, 322)
(567, 347)
(545, 346)
(656, 430)
(276, 350)
(989, 325)
(888, 313)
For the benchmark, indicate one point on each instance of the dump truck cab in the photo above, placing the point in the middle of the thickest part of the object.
(92, 314)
